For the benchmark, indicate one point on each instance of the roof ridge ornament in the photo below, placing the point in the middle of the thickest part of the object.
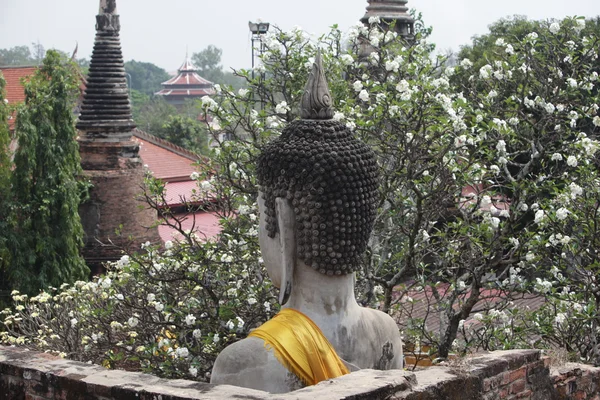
(316, 100)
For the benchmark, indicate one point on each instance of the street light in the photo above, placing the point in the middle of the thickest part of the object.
(257, 29)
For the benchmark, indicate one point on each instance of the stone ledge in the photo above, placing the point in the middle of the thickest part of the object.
(497, 375)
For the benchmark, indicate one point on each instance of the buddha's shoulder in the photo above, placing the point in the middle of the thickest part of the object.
(250, 364)
(378, 317)
(250, 351)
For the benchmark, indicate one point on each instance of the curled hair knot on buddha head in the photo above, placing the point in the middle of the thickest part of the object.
(329, 177)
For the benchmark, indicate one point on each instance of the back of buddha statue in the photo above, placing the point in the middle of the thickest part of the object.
(318, 194)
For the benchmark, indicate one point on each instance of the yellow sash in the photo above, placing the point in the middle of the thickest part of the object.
(301, 347)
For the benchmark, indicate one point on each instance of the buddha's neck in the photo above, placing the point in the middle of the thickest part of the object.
(316, 294)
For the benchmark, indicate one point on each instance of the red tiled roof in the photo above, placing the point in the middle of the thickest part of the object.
(15, 93)
(180, 193)
(205, 224)
(186, 92)
(188, 78)
(165, 160)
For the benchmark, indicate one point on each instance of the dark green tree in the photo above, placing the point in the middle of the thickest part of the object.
(187, 133)
(145, 77)
(151, 115)
(5, 168)
(45, 224)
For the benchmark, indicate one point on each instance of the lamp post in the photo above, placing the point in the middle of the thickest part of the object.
(257, 29)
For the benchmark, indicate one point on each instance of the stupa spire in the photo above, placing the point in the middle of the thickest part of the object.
(316, 101)
(106, 111)
(389, 11)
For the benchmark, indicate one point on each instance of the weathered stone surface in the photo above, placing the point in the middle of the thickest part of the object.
(32, 375)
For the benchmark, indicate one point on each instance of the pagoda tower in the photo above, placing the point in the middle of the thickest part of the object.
(109, 157)
(186, 85)
(390, 11)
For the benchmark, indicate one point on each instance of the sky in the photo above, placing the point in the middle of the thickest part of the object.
(159, 31)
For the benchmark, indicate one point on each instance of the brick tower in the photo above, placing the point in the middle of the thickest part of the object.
(109, 157)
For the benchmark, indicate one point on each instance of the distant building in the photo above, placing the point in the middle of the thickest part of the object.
(186, 85)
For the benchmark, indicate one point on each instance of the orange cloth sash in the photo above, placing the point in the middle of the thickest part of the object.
(301, 347)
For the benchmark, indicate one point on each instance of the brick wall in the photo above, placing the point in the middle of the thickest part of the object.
(114, 202)
(520, 374)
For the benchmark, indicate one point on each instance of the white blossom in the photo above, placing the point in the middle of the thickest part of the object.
(132, 322)
(539, 216)
(485, 71)
(363, 95)
(562, 213)
(282, 108)
(466, 63)
(554, 28)
(572, 161)
(193, 371)
(576, 190)
(374, 20)
(197, 333)
(190, 319)
(347, 59)
(556, 157)
(560, 318)
(501, 146)
(208, 102)
(358, 86)
(182, 352)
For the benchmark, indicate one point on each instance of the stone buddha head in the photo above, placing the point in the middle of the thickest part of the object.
(318, 192)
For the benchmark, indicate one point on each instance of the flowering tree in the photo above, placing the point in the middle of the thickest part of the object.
(169, 312)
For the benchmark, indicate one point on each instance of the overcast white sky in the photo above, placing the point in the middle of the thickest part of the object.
(158, 31)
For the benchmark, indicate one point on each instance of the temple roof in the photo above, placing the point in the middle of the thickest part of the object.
(187, 83)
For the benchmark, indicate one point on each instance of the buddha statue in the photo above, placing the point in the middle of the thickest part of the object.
(317, 202)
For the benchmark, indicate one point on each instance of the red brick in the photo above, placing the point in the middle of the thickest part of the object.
(524, 395)
(518, 386)
(491, 383)
(518, 374)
